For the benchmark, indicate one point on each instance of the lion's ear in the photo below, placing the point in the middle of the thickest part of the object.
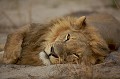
(80, 23)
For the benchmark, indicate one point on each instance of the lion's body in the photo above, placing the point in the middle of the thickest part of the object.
(108, 27)
(92, 41)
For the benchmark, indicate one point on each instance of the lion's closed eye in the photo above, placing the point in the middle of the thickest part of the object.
(67, 38)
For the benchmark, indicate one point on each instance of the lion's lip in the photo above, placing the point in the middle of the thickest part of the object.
(54, 54)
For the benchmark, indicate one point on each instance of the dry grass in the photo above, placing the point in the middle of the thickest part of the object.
(116, 4)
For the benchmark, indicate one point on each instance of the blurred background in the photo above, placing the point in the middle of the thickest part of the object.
(17, 13)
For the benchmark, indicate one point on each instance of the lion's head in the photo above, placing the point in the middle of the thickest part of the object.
(73, 36)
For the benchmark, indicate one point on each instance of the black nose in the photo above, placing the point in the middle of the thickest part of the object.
(53, 52)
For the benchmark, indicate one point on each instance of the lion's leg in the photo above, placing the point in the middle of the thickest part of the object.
(12, 49)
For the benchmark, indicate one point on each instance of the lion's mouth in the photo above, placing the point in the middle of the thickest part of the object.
(54, 55)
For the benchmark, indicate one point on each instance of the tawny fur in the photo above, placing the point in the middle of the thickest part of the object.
(25, 45)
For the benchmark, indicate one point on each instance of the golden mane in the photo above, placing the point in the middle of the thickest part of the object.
(96, 42)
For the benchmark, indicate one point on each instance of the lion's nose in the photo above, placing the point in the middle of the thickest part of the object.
(53, 52)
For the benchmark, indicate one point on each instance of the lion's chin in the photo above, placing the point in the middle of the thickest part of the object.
(44, 57)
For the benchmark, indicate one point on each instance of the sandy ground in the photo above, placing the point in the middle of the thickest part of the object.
(108, 70)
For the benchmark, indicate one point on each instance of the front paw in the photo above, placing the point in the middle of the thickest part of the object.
(9, 60)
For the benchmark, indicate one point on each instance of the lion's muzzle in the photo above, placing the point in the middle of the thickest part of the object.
(53, 53)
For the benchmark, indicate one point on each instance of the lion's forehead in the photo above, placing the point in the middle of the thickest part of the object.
(52, 36)
(60, 27)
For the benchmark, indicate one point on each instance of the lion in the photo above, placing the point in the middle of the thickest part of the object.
(68, 39)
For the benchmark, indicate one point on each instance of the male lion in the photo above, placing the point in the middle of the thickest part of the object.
(86, 39)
